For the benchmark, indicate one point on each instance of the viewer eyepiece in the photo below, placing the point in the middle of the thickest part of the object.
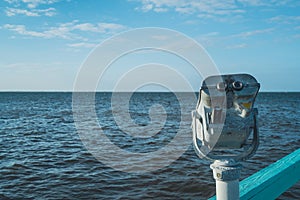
(222, 86)
(237, 85)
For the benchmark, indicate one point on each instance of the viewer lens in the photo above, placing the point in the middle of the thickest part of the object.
(221, 86)
(237, 85)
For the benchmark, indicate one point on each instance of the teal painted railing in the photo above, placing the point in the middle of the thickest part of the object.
(272, 181)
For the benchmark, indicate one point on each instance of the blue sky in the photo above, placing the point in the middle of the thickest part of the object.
(44, 42)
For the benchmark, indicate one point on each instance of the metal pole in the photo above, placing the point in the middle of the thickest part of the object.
(227, 174)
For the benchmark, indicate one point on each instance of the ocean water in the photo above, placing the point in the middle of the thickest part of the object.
(42, 156)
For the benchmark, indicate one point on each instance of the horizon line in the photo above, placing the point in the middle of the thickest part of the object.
(151, 91)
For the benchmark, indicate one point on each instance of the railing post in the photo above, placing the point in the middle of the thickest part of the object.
(227, 174)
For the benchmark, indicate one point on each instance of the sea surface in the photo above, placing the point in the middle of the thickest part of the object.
(43, 157)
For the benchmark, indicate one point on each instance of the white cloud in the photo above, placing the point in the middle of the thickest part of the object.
(29, 8)
(268, 3)
(254, 2)
(297, 36)
(209, 39)
(158, 10)
(254, 32)
(234, 41)
(82, 44)
(191, 6)
(97, 28)
(36, 3)
(70, 30)
(237, 46)
(11, 1)
(283, 19)
(31, 3)
(147, 7)
(211, 34)
(86, 27)
(110, 27)
(31, 13)
(209, 8)
(14, 11)
(21, 29)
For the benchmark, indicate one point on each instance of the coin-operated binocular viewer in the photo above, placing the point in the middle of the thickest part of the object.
(225, 130)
